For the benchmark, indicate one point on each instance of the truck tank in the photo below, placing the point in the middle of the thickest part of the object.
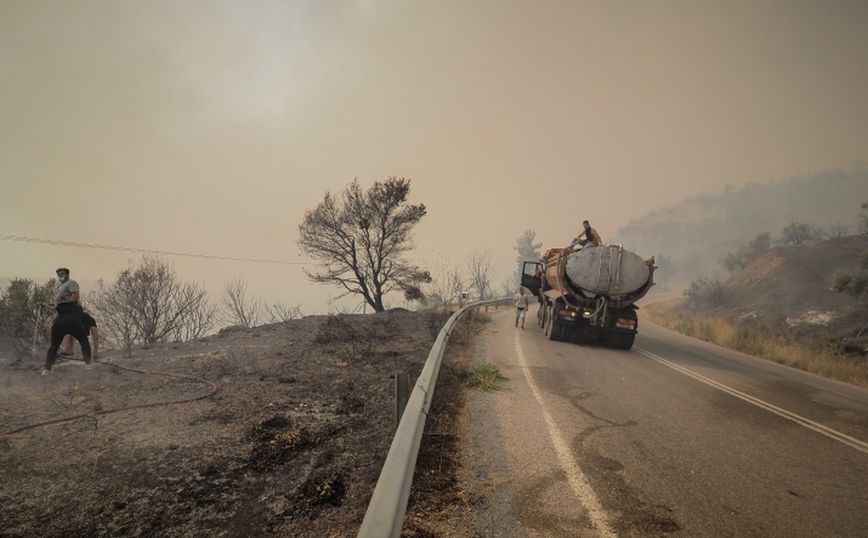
(589, 293)
(582, 276)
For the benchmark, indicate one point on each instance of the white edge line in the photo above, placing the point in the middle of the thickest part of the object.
(580, 486)
(798, 419)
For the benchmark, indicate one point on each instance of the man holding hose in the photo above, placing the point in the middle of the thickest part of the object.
(68, 321)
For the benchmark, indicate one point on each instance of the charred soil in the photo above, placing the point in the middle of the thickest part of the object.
(291, 444)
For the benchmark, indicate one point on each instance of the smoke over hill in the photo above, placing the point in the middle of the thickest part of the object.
(690, 237)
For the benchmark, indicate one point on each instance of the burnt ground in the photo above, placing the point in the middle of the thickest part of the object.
(291, 445)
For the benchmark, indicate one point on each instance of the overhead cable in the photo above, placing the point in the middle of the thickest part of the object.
(26, 239)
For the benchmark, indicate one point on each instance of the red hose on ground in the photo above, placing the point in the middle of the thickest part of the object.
(214, 388)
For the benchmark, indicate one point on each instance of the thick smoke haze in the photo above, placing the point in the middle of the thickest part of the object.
(210, 126)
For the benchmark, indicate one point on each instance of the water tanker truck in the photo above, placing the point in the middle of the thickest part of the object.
(589, 293)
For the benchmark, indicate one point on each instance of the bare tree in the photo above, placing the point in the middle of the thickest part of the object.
(480, 274)
(116, 313)
(798, 234)
(508, 286)
(836, 231)
(360, 237)
(447, 283)
(279, 312)
(242, 308)
(200, 319)
(149, 304)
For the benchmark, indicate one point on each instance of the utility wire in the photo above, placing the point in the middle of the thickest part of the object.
(26, 239)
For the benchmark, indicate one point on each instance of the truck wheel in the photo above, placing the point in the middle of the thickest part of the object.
(627, 341)
(620, 340)
(555, 330)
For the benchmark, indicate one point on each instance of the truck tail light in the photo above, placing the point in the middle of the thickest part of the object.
(623, 323)
(569, 314)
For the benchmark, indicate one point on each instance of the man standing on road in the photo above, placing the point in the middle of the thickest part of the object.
(68, 321)
(520, 301)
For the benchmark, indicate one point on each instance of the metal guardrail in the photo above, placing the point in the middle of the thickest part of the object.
(385, 515)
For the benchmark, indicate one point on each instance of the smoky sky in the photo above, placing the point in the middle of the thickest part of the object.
(209, 126)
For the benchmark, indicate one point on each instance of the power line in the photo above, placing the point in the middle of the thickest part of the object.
(58, 242)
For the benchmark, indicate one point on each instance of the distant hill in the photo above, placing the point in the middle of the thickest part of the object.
(796, 283)
(691, 236)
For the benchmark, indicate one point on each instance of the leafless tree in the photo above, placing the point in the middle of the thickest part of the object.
(509, 286)
(480, 274)
(797, 234)
(200, 319)
(115, 313)
(241, 308)
(836, 231)
(279, 312)
(360, 237)
(447, 283)
(148, 303)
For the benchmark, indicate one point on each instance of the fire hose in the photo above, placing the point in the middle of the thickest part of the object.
(214, 388)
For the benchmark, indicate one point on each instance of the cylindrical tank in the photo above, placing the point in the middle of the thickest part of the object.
(582, 276)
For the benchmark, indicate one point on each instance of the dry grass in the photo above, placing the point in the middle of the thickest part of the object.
(816, 354)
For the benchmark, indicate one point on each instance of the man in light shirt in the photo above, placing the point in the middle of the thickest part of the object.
(520, 302)
(68, 320)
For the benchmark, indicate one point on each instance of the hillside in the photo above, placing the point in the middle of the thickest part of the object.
(795, 283)
(291, 443)
(696, 232)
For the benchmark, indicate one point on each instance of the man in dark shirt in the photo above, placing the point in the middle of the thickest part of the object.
(590, 234)
(90, 330)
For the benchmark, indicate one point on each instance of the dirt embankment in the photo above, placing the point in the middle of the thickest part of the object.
(795, 284)
(292, 443)
(783, 307)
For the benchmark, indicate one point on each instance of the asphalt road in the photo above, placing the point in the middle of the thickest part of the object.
(674, 438)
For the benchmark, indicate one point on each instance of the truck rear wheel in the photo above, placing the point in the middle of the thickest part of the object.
(621, 340)
(555, 328)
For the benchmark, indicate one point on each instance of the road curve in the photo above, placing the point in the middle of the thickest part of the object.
(675, 438)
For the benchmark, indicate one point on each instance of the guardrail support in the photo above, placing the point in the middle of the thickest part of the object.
(385, 515)
(402, 394)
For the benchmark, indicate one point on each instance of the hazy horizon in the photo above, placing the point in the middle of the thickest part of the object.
(209, 127)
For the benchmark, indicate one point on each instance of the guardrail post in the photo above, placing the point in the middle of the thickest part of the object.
(402, 394)
(385, 514)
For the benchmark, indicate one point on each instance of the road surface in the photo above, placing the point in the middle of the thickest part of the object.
(674, 438)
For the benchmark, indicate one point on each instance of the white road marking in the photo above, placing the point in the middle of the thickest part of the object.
(575, 477)
(798, 419)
